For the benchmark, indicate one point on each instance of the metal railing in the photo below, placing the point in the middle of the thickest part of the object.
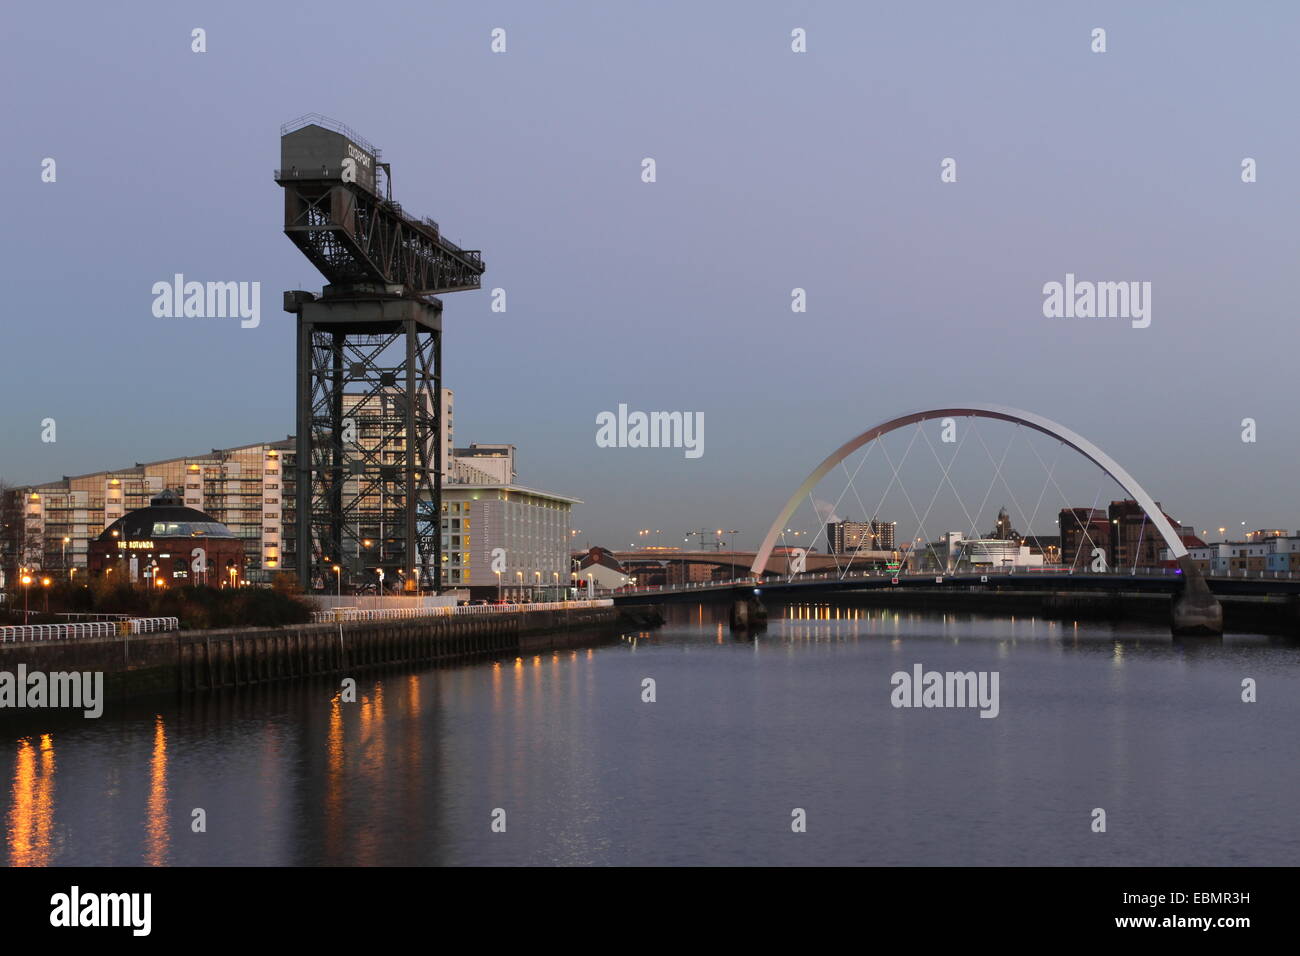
(325, 122)
(64, 632)
(406, 613)
(152, 625)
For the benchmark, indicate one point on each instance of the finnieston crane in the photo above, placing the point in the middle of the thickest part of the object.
(369, 361)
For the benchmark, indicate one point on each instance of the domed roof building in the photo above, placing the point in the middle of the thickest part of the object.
(168, 544)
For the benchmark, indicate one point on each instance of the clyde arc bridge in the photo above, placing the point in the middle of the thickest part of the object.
(788, 554)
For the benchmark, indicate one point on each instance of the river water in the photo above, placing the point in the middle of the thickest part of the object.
(562, 749)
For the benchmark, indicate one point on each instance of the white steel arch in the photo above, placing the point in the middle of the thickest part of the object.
(1000, 413)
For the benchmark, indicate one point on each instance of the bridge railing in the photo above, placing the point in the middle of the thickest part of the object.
(1239, 574)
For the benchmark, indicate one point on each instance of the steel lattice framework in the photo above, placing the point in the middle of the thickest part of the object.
(353, 236)
(365, 476)
(369, 430)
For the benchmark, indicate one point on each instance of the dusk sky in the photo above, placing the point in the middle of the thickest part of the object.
(775, 170)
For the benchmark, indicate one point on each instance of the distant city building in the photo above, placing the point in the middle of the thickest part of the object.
(479, 463)
(992, 553)
(1282, 554)
(530, 527)
(1047, 545)
(1083, 530)
(847, 537)
(1272, 554)
(250, 489)
(1123, 533)
(604, 570)
(1264, 533)
(1002, 530)
(1134, 540)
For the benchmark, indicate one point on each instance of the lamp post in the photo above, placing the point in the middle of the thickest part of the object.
(733, 532)
(45, 585)
(338, 576)
(66, 540)
(27, 587)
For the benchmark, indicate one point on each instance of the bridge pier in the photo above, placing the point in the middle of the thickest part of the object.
(1194, 610)
(748, 613)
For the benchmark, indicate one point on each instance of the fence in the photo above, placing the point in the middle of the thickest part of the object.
(404, 613)
(63, 632)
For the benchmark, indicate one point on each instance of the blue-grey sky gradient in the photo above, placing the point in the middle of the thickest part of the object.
(775, 170)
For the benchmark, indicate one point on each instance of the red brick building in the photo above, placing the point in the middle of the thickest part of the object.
(166, 545)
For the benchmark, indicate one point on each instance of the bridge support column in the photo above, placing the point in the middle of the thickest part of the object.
(1194, 610)
(748, 613)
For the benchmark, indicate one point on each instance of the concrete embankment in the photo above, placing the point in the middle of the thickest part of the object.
(189, 661)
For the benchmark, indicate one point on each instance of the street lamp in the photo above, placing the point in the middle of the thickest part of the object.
(27, 587)
(45, 583)
(66, 540)
(733, 532)
(338, 575)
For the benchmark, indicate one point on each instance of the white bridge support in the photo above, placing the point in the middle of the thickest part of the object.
(1195, 610)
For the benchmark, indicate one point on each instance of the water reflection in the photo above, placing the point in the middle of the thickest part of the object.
(158, 836)
(31, 815)
(409, 772)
